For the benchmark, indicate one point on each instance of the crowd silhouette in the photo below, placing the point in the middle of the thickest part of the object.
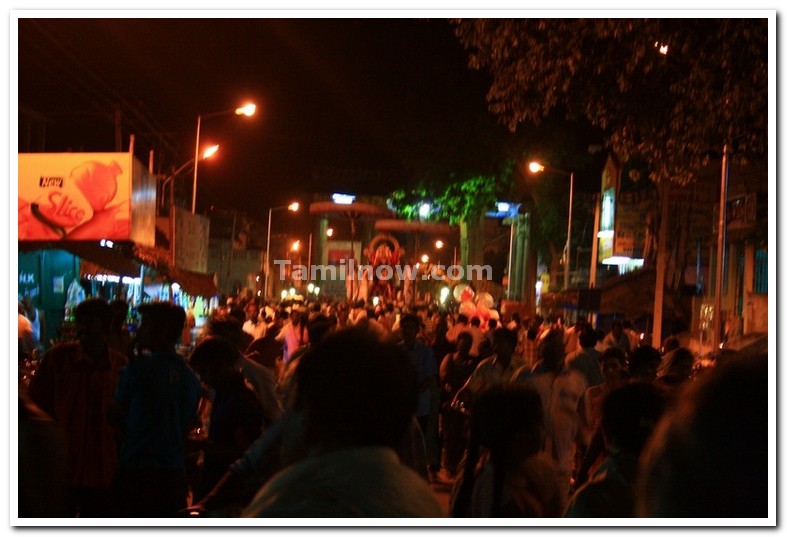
(332, 409)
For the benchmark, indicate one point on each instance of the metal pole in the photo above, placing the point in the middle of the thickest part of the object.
(567, 266)
(309, 262)
(594, 250)
(661, 268)
(172, 222)
(232, 249)
(720, 250)
(268, 253)
(196, 165)
(510, 258)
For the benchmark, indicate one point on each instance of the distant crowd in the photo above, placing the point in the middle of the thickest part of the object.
(339, 409)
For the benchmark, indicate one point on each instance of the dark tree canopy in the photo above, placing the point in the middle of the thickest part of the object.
(673, 107)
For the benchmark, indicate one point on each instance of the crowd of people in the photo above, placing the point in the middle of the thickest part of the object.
(337, 409)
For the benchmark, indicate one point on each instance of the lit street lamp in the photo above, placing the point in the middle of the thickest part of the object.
(247, 110)
(209, 152)
(535, 167)
(291, 207)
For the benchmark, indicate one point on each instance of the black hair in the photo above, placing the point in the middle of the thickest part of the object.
(551, 350)
(95, 308)
(501, 415)
(226, 326)
(587, 337)
(475, 321)
(168, 319)
(643, 359)
(464, 336)
(629, 415)
(216, 357)
(612, 353)
(708, 456)
(319, 326)
(411, 319)
(378, 394)
(504, 334)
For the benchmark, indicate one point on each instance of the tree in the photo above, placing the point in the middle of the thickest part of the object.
(670, 91)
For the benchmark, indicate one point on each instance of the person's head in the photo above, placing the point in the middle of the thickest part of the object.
(161, 326)
(409, 326)
(295, 317)
(492, 324)
(464, 343)
(461, 319)
(509, 419)
(475, 321)
(92, 321)
(214, 360)
(319, 326)
(508, 422)
(681, 365)
(708, 456)
(644, 362)
(228, 327)
(352, 389)
(551, 351)
(587, 337)
(119, 312)
(504, 342)
(612, 363)
(252, 312)
(670, 344)
(237, 312)
(629, 414)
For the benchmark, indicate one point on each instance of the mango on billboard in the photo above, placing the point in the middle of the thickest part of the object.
(74, 196)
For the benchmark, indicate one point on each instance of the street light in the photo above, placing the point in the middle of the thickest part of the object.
(291, 207)
(536, 167)
(246, 110)
(209, 152)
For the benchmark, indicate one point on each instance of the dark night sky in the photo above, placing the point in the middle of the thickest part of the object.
(377, 94)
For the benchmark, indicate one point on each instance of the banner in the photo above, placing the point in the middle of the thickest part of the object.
(74, 196)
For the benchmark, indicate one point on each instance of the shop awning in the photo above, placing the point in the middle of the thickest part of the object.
(126, 259)
(195, 283)
(115, 259)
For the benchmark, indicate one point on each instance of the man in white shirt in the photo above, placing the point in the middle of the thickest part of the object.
(254, 326)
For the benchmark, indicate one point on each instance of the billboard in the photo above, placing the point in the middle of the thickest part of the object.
(192, 238)
(85, 197)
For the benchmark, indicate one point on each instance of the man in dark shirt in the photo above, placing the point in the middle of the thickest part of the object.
(157, 397)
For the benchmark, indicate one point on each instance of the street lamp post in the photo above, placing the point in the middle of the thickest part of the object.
(291, 207)
(246, 110)
(535, 167)
(209, 152)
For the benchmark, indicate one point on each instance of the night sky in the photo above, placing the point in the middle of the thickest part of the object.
(332, 95)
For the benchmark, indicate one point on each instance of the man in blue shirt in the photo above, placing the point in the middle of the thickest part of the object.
(157, 397)
(428, 387)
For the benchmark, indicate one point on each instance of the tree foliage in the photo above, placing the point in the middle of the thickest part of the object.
(674, 110)
(456, 201)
